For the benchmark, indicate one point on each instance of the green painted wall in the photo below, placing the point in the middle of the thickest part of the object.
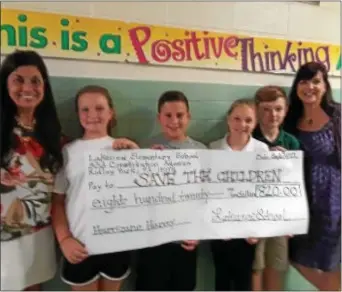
(135, 103)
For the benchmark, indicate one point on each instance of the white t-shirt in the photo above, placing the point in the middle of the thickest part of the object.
(252, 145)
(70, 179)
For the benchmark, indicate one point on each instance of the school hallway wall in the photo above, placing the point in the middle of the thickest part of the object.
(136, 105)
(136, 88)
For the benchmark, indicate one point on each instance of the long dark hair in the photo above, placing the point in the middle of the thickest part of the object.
(47, 128)
(295, 111)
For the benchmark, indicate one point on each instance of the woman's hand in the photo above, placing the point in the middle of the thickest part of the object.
(278, 148)
(189, 245)
(74, 251)
(252, 240)
(124, 143)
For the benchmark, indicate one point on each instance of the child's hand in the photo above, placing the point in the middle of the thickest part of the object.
(123, 143)
(252, 240)
(158, 147)
(74, 251)
(189, 245)
(278, 148)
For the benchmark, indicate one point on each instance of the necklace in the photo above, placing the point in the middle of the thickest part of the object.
(26, 127)
(310, 121)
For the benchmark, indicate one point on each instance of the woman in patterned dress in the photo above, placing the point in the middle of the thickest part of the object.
(30, 156)
(315, 119)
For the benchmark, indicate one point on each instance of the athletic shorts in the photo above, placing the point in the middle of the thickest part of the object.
(272, 253)
(113, 266)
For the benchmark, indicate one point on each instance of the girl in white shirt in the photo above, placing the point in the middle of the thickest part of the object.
(103, 272)
(233, 259)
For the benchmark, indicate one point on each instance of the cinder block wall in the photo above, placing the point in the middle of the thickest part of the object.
(135, 89)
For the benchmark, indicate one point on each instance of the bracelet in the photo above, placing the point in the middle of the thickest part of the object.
(66, 237)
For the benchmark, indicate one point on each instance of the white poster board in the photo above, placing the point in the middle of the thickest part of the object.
(142, 198)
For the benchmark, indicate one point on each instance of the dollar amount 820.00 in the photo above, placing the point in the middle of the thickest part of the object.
(274, 190)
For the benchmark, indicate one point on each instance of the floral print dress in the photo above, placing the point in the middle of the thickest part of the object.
(27, 241)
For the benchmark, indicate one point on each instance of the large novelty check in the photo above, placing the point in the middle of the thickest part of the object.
(141, 198)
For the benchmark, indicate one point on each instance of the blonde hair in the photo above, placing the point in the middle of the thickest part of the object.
(242, 101)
